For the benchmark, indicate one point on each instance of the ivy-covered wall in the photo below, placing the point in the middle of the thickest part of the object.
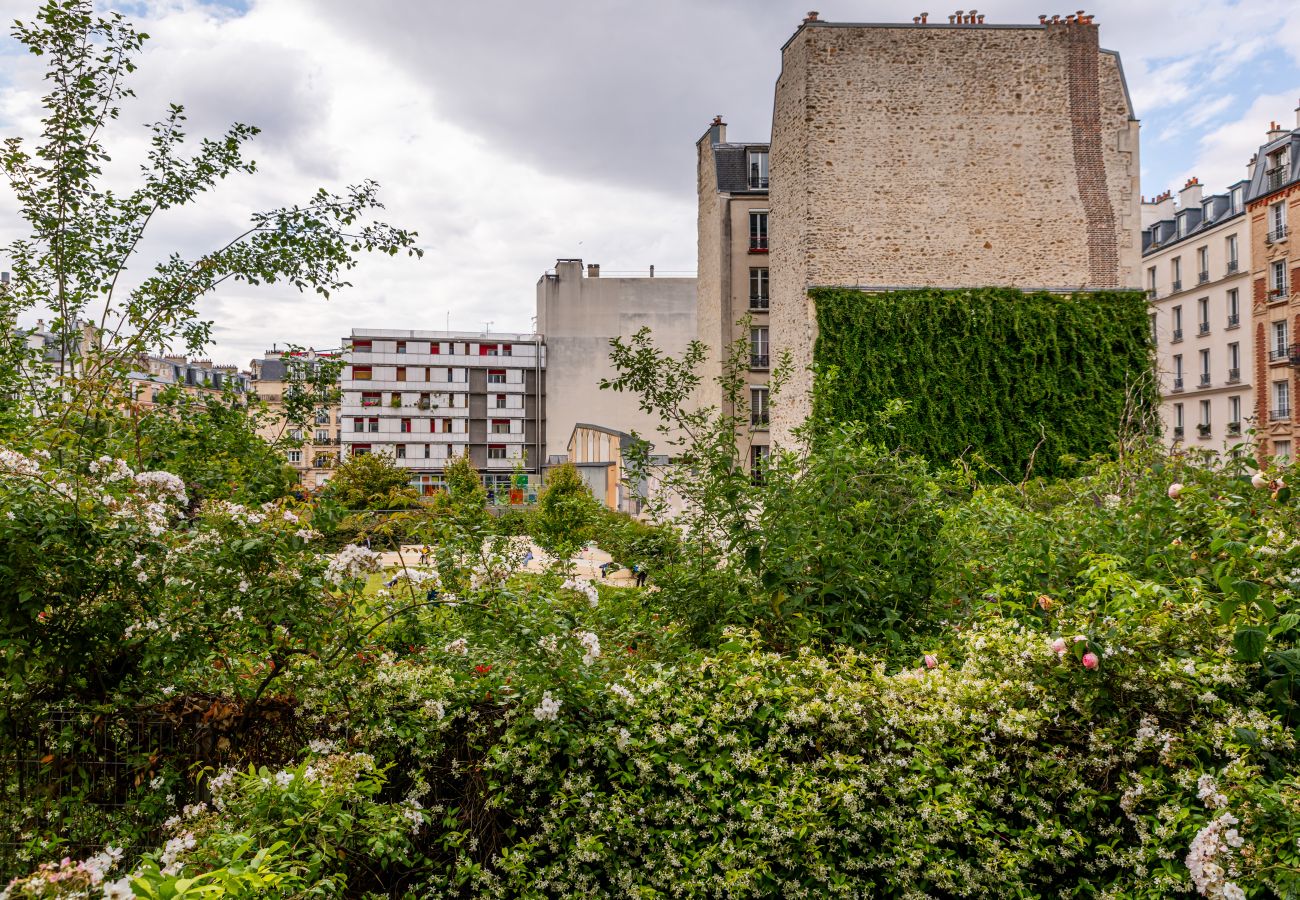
(990, 371)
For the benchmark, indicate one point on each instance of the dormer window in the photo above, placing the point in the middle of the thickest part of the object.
(1236, 200)
(1182, 225)
(757, 169)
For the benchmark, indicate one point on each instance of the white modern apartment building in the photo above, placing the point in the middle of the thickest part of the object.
(1196, 271)
(423, 397)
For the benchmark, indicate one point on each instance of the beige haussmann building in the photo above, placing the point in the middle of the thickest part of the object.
(945, 155)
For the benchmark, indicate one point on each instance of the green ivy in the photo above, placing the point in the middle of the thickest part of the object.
(992, 374)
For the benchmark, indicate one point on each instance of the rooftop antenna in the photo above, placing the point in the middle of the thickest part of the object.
(487, 326)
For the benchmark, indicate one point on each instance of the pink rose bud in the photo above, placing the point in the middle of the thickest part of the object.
(1175, 490)
(1258, 481)
(1090, 660)
(1058, 646)
(931, 661)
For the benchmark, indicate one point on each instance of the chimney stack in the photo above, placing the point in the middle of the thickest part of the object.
(1275, 131)
(1297, 117)
(1191, 195)
(811, 17)
(652, 270)
(717, 130)
(593, 270)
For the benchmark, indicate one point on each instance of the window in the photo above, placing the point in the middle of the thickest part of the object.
(1203, 315)
(758, 231)
(435, 348)
(507, 350)
(1234, 308)
(401, 346)
(1178, 420)
(496, 376)
(322, 436)
(758, 347)
(362, 373)
(1234, 362)
(372, 425)
(500, 426)
(323, 417)
(370, 398)
(1277, 221)
(488, 350)
(758, 458)
(1151, 282)
(425, 401)
(401, 373)
(1182, 225)
(361, 346)
(1202, 264)
(1233, 260)
(1282, 452)
(1155, 338)
(1178, 323)
(401, 451)
(358, 424)
(426, 451)
(1236, 199)
(758, 407)
(360, 449)
(1280, 347)
(1281, 400)
(757, 169)
(1176, 273)
(1234, 415)
(758, 296)
(1178, 371)
(1205, 418)
(1205, 368)
(498, 401)
(295, 456)
(406, 426)
(1277, 280)
(496, 451)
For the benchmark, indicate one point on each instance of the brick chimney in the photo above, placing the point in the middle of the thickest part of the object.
(593, 270)
(717, 130)
(1275, 131)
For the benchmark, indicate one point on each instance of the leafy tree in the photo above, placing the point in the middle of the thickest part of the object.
(465, 500)
(371, 481)
(566, 513)
(85, 235)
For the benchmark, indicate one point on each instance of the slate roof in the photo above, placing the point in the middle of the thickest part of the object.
(729, 160)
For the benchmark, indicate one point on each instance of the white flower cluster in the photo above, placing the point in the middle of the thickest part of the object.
(586, 588)
(306, 534)
(235, 512)
(165, 484)
(412, 813)
(1207, 791)
(172, 850)
(351, 562)
(548, 709)
(322, 746)
(98, 865)
(458, 647)
(1209, 859)
(550, 643)
(14, 463)
(111, 469)
(591, 644)
(623, 694)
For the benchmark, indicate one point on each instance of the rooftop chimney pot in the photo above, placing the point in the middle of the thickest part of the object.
(812, 16)
(593, 270)
(924, 17)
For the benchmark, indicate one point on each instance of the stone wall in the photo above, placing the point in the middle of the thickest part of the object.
(945, 156)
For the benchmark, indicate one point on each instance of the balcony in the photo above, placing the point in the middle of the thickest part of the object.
(758, 419)
(1203, 328)
(1233, 266)
(1203, 430)
(758, 304)
(1151, 293)
(1277, 235)
(1178, 384)
(1234, 376)
(1280, 415)
(758, 244)
(1279, 354)
(1234, 321)
(1202, 276)
(1234, 428)
(1278, 294)
(1274, 178)
(1176, 286)
(1205, 380)
(758, 360)
(1178, 335)
(1178, 432)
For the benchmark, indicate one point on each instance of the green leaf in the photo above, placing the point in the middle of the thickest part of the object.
(1249, 641)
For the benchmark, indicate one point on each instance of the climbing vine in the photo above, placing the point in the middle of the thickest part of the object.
(992, 374)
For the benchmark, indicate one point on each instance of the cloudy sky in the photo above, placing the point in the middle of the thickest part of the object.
(511, 133)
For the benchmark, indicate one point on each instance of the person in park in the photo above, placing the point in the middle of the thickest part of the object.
(640, 572)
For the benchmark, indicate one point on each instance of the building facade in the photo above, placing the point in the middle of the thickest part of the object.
(733, 289)
(320, 441)
(946, 155)
(423, 397)
(578, 313)
(1196, 258)
(1273, 205)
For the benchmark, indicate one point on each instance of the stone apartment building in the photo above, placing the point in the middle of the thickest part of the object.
(423, 397)
(733, 288)
(945, 155)
(578, 313)
(1196, 257)
(1273, 205)
(319, 452)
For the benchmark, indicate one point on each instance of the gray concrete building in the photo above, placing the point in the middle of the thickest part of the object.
(423, 397)
(578, 313)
